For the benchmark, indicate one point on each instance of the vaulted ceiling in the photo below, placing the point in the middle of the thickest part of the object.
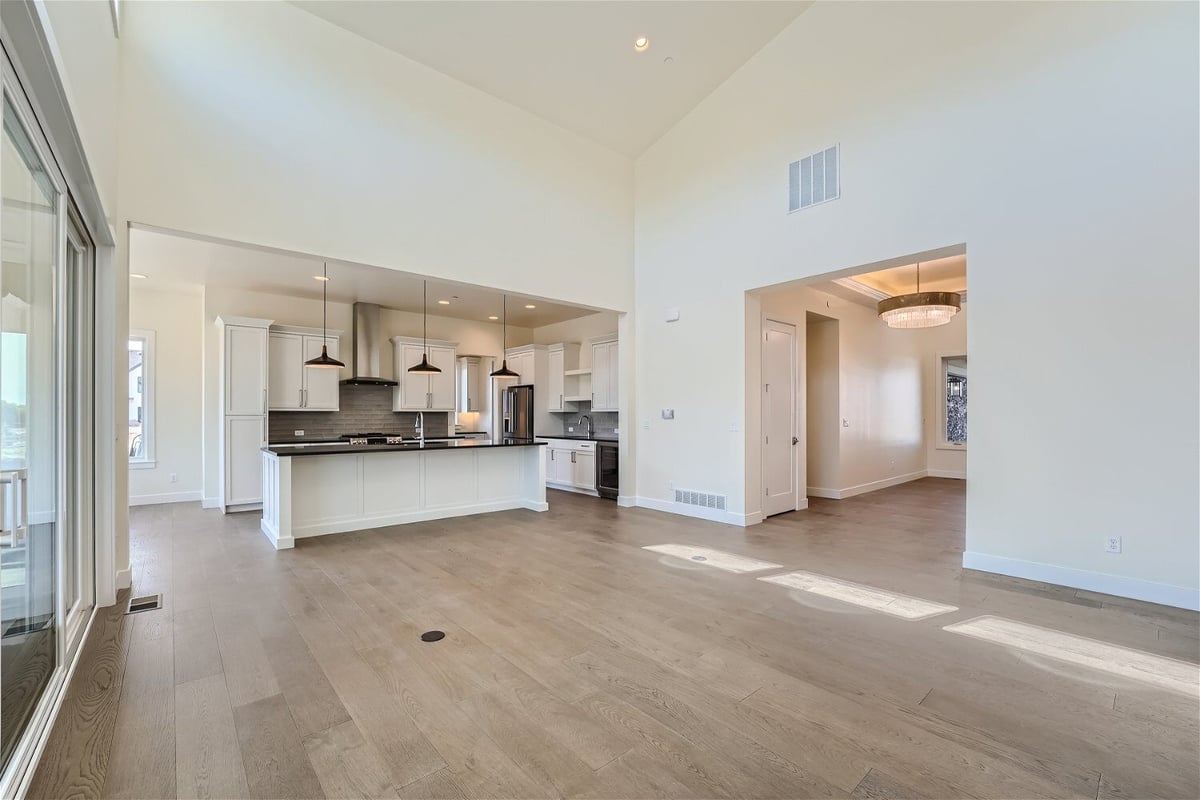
(574, 63)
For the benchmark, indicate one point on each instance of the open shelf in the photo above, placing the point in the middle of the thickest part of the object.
(578, 372)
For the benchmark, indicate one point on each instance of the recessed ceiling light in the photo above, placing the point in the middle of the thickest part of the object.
(530, 305)
(641, 43)
(138, 275)
(320, 277)
(493, 317)
(443, 302)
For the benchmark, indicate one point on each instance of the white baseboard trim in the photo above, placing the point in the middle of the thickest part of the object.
(566, 487)
(165, 497)
(863, 488)
(947, 473)
(711, 514)
(324, 527)
(1119, 585)
(802, 504)
(124, 578)
(626, 501)
(210, 502)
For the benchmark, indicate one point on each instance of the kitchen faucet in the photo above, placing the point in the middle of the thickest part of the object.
(582, 417)
(421, 426)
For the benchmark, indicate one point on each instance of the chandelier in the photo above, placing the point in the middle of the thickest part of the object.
(919, 309)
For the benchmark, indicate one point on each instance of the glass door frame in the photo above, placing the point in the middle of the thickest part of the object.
(75, 492)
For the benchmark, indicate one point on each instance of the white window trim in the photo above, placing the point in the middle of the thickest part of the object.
(148, 426)
(939, 367)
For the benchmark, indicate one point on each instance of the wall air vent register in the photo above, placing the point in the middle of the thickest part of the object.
(815, 179)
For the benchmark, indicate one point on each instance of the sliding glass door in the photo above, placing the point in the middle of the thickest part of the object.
(46, 415)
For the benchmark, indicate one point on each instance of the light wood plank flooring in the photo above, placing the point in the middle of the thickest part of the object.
(577, 664)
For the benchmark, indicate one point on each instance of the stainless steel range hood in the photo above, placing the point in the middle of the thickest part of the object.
(368, 339)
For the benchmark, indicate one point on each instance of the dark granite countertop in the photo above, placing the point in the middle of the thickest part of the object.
(577, 438)
(330, 448)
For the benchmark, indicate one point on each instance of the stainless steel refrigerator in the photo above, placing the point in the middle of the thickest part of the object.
(516, 412)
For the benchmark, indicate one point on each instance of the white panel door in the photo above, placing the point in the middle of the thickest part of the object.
(414, 388)
(245, 370)
(244, 438)
(584, 470)
(320, 385)
(614, 377)
(442, 386)
(285, 371)
(779, 418)
(600, 368)
(555, 380)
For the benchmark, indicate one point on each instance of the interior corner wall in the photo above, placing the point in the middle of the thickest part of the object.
(262, 123)
(176, 317)
(975, 123)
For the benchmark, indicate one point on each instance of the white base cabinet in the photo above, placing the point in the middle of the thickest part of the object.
(571, 464)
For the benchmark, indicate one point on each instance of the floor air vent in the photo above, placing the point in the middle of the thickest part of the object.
(151, 602)
(700, 499)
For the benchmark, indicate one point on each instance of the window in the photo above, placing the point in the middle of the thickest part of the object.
(953, 406)
(141, 399)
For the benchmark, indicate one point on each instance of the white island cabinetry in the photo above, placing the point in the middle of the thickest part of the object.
(311, 494)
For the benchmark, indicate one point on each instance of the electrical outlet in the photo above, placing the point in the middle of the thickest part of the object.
(297, 433)
(570, 429)
(1112, 544)
(174, 478)
(845, 423)
(668, 413)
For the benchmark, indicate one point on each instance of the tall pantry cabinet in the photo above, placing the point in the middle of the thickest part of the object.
(243, 401)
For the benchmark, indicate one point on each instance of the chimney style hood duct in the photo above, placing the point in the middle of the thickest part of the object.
(367, 341)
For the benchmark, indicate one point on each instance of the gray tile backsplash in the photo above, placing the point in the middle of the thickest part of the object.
(364, 409)
(604, 423)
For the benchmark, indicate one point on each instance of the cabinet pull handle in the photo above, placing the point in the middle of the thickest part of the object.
(301, 391)
(264, 401)
(551, 455)
(572, 458)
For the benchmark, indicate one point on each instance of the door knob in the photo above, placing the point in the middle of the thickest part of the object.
(795, 440)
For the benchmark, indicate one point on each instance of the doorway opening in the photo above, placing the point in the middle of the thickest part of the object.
(876, 401)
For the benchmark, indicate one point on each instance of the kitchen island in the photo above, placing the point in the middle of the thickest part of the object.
(319, 488)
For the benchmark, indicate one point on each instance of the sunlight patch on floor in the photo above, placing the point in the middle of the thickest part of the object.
(1167, 673)
(893, 603)
(708, 557)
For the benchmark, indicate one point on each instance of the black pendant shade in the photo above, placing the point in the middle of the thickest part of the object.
(504, 371)
(425, 368)
(324, 361)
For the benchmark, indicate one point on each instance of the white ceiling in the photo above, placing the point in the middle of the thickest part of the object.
(868, 288)
(175, 261)
(573, 63)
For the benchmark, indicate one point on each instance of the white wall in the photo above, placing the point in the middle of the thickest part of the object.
(987, 124)
(261, 123)
(820, 396)
(177, 319)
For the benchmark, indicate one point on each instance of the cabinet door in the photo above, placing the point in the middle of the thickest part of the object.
(613, 395)
(584, 470)
(442, 386)
(564, 470)
(522, 364)
(600, 376)
(474, 386)
(245, 370)
(244, 436)
(556, 379)
(285, 371)
(414, 389)
(320, 385)
(551, 464)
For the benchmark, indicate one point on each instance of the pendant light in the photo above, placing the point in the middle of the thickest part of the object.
(504, 371)
(919, 309)
(324, 361)
(425, 368)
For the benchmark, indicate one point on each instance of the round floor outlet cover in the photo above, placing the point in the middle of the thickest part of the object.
(432, 636)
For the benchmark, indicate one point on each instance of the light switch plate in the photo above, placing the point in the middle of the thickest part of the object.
(1112, 544)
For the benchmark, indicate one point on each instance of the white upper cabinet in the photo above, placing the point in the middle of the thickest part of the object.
(294, 387)
(555, 383)
(564, 376)
(245, 370)
(605, 375)
(424, 392)
(321, 385)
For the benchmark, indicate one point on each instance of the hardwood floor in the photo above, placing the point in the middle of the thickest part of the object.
(577, 664)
